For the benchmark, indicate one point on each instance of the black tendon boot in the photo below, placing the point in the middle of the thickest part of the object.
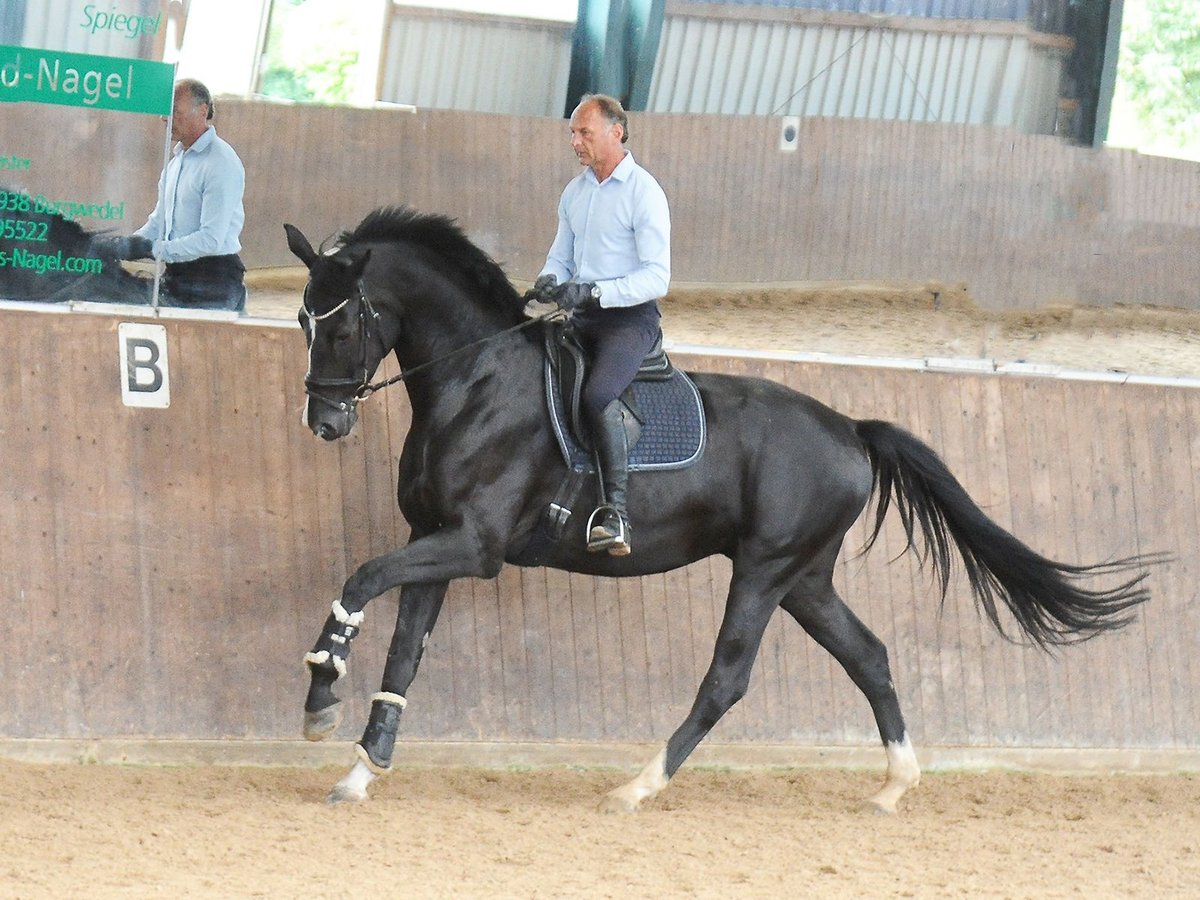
(608, 527)
(379, 739)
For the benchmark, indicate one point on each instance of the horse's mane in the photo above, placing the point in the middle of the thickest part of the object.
(441, 235)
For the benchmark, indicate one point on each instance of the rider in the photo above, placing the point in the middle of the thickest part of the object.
(609, 264)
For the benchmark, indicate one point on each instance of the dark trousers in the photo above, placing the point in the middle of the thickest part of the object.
(211, 282)
(617, 340)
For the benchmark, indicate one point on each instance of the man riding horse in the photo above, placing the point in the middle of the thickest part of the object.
(609, 264)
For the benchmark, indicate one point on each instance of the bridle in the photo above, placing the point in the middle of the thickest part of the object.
(366, 314)
(362, 385)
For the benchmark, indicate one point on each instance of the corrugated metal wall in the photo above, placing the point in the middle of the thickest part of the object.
(949, 9)
(163, 571)
(447, 60)
(721, 62)
(747, 60)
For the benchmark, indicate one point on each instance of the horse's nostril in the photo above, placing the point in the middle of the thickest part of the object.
(327, 432)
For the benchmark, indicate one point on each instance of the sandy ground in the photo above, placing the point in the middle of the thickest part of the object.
(124, 831)
(114, 831)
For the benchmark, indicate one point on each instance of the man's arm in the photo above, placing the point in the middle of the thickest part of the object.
(560, 261)
(153, 229)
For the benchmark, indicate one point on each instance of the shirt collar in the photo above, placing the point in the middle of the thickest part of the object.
(621, 173)
(200, 145)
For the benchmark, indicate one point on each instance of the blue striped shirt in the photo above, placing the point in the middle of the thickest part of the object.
(616, 234)
(199, 210)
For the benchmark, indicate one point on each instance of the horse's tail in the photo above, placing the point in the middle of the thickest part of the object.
(1044, 596)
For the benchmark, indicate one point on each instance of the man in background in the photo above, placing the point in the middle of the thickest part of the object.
(196, 225)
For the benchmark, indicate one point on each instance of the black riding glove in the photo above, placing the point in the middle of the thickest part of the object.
(576, 295)
(137, 247)
(132, 246)
(541, 289)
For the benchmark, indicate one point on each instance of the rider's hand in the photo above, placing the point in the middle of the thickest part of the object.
(131, 246)
(541, 289)
(137, 247)
(575, 295)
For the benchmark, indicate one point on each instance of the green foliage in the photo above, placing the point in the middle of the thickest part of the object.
(1160, 69)
(311, 52)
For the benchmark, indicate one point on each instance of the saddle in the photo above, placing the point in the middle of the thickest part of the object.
(665, 427)
(567, 365)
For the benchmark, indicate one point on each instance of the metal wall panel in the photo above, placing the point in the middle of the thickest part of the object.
(493, 64)
(855, 69)
(1012, 10)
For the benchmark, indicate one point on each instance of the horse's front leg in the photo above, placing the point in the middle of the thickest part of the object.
(431, 559)
(418, 612)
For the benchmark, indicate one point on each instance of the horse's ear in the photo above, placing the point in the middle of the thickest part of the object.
(300, 246)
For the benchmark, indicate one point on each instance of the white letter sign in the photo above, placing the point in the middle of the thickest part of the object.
(144, 377)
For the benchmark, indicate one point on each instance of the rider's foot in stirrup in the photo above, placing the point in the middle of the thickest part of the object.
(610, 532)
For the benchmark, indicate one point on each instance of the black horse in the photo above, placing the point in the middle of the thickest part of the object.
(781, 480)
(49, 258)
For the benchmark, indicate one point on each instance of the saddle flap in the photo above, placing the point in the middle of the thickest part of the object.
(666, 406)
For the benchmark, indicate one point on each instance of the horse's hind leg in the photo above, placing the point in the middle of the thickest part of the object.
(418, 612)
(821, 612)
(747, 611)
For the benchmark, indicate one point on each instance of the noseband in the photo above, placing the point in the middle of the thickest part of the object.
(362, 385)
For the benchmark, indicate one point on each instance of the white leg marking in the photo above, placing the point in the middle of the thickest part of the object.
(628, 797)
(902, 773)
(353, 787)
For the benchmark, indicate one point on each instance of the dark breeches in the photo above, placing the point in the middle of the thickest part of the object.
(617, 349)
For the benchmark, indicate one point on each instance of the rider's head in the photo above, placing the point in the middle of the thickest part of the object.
(599, 127)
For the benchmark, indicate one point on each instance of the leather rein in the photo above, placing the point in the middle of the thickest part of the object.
(366, 315)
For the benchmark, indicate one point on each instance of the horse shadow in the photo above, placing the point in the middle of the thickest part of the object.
(45, 257)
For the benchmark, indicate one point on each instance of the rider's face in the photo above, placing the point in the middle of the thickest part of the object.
(189, 119)
(595, 140)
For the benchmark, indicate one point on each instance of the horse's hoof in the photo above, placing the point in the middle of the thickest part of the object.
(616, 803)
(879, 808)
(343, 794)
(322, 723)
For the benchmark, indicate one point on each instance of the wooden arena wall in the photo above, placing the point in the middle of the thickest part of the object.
(1022, 220)
(163, 571)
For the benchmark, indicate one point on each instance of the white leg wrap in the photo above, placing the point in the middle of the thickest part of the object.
(364, 760)
(319, 659)
(386, 697)
(339, 613)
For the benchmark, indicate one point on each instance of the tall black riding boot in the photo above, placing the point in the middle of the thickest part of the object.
(608, 527)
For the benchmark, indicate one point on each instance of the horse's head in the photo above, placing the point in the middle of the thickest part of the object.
(342, 331)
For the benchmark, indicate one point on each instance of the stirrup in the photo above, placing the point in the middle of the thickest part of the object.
(601, 539)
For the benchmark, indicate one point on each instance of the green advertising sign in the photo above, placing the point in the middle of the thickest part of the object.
(30, 75)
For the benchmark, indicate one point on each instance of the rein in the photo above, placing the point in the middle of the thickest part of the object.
(365, 386)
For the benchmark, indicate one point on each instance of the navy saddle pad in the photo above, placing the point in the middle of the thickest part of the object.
(673, 432)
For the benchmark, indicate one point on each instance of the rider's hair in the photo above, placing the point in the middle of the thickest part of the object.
(198, 92)
(611, 109)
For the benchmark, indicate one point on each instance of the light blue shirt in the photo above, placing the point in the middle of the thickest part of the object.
(616, 234)
(199, 210)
